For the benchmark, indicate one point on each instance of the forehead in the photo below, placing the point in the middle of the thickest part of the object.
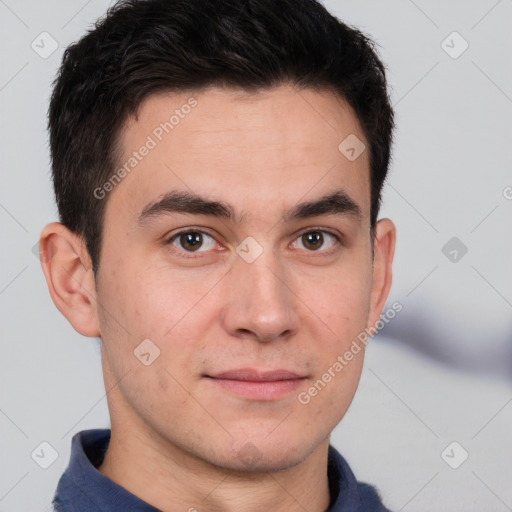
(217, 114)
(250, 149)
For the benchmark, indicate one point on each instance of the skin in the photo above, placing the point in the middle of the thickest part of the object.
(178, 438)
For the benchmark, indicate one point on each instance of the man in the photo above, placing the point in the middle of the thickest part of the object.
(218, 168)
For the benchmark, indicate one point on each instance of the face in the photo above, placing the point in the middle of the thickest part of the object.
(242, 306)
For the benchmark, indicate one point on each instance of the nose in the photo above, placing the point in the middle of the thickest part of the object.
(260, 303)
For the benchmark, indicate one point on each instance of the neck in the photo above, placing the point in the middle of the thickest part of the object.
(170, 479)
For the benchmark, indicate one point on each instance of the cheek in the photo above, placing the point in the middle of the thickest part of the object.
(343, 301)
(343, 307)
(149, 301)
(158, 304)
(331, 392)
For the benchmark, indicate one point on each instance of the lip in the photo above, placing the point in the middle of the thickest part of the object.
(258, 385)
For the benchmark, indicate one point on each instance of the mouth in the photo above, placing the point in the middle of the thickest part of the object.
(252, 384)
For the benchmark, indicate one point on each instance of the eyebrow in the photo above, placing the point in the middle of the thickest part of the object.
(336, 203)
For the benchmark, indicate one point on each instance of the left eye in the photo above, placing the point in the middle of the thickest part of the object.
(313, 240)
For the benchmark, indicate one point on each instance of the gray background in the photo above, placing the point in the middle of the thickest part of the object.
(441, 370)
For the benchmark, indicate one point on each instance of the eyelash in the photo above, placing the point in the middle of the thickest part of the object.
(192, 229)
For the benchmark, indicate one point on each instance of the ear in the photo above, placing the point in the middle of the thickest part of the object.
(68, 271)
(383, 252)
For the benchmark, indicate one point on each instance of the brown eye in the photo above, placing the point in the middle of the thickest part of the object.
(192, 241)
(314, 240)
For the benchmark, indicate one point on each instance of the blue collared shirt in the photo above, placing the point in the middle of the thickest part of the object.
(82, 488)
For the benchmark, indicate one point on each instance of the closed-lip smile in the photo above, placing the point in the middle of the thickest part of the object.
(259, 385)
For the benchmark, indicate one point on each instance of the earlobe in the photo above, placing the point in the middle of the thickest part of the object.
(384, 250)
(68, 271)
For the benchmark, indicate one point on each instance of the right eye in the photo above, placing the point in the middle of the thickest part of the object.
(191, 241)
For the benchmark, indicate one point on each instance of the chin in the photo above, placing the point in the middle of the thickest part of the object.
(263, 456)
